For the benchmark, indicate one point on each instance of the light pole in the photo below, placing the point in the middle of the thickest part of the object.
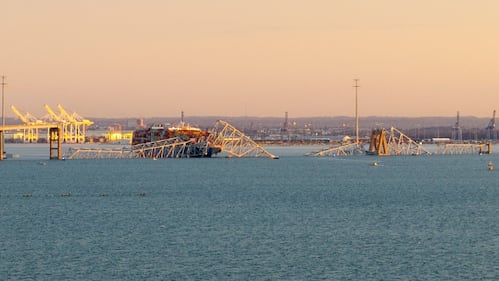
(356, 86)
(2, 151)
(3, 100)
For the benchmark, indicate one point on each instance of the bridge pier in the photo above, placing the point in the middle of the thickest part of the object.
(55, 142)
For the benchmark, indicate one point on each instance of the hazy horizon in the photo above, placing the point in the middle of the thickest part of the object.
(130, 59)
(44, 114)
(289, 117)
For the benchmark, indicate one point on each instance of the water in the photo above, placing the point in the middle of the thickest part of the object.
(296, 218)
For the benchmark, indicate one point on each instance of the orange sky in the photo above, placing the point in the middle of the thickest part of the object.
(124, 58)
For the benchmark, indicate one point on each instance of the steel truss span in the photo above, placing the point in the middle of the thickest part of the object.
(223, 138)
(171, 148)
(168, 148)
(382, 143)
(339, 150)
(394, 142)
(235, 143)
(470, 148)
(96, 153)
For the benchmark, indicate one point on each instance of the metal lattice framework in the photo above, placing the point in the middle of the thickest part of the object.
(338, 150)
(235, 143)
(470, 148)
(382, 142)
(99, 153)
(168, 148)
(171, 148)
(399, 144)
(223, 137)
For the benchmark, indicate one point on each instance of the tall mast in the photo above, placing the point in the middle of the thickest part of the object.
(3, 100)
(356, 112)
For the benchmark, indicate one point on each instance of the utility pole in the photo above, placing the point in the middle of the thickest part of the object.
(3, 121)
(356, 112)
(3, 100)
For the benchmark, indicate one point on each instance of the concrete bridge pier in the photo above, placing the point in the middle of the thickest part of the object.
(55, 142)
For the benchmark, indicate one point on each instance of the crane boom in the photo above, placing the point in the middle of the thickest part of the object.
(81, 119)
(22, 117)
(53, 115)
(66, 114)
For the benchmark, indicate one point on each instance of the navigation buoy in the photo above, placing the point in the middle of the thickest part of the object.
(491, 166)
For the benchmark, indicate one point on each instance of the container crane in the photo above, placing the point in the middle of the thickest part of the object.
(77, 125)
(491, 127)
(72, 127)
(81, 119)
(27, 118)
(53, 116)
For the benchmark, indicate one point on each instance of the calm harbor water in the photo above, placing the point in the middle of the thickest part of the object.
(296, 218)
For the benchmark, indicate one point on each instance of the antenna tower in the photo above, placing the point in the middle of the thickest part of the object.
(3, 100)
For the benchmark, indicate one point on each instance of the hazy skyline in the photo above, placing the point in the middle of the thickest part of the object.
(124, 58)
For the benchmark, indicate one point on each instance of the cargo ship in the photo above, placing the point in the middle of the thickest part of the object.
(199, 145)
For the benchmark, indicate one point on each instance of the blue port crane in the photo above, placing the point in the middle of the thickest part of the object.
(457, 132)
(491, 128)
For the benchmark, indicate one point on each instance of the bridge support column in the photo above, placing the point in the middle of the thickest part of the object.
(55, 141)
(2, 150)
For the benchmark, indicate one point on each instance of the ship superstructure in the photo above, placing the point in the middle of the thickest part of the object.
(158, 132)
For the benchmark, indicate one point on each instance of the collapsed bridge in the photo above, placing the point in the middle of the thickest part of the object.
(394, 142)
(181, 142)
